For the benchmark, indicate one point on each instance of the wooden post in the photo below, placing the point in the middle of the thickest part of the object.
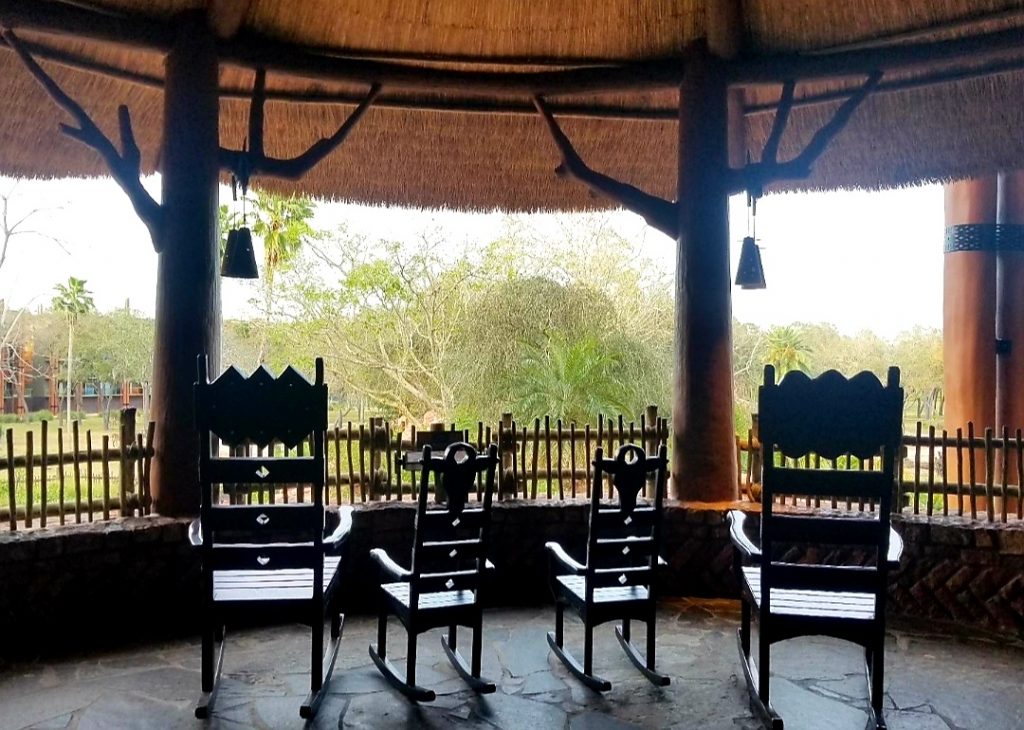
(703, 437)
(127, 465)
(1010, 316)
(506, 447)
(188, 287)
(968, 307)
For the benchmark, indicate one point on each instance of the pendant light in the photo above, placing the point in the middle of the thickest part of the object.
(239, 260)
(750, 272)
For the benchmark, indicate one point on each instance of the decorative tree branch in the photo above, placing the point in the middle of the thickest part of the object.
(658, 212)
(756, 176)
(244, 163)
(124, 166)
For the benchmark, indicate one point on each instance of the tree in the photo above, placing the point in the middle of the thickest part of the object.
(283, 224)
(786, 349)
(73, 300)
(116, 348)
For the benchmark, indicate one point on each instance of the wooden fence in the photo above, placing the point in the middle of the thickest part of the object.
(76, 479)
(544, 459)
(85, 478)
(961, 474)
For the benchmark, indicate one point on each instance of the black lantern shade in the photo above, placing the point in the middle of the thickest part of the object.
(239, 259)
(750, 272)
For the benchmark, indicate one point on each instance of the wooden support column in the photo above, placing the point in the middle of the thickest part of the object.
(188, 287)
(1009, 408)
(703, 435)
(969, 308)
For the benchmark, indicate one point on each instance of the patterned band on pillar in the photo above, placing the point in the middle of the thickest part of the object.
(984, 237)
(1010, 237)
(970, 237)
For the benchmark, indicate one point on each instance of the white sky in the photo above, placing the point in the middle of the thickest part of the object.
(861, 260)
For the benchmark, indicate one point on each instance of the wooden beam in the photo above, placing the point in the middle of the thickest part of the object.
(62, 19)
(253, 52)
(225, 17)
(892, 86)
(774, 69)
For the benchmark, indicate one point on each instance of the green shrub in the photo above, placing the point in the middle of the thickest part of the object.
(35, 416)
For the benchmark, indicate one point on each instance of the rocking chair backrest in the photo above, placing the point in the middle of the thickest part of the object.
(624, 540)
(450, 544)
(261, 410)
(828, 418)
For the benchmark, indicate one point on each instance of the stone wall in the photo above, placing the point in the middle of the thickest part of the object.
(111, 583)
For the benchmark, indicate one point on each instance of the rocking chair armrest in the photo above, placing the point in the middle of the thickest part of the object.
(341, 532)
(895, 548)
(558, 553)
(740, 539)
(195, 532)
(388, 566)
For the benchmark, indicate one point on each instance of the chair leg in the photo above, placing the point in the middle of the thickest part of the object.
(212, 661)
(651, 643)
(316, 651)
(559, 621)
(745, 628)
(625, 629)
(453, 637)
(588, 648)
(877, 675)
(478, 640)
(382, 635)
(207, 657)
(764, 673)
(410, 660)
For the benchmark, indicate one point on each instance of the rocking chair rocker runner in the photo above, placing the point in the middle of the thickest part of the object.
(449, 561)
(617, 581)
(267, 559)
(829, 416)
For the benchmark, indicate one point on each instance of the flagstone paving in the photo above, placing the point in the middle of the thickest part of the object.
(934, 682)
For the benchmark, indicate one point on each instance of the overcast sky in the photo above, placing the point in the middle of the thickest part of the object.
(861, 260)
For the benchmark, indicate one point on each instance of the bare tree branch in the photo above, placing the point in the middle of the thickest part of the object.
(125, 166)
(658, 212)
(244, 163)
(755, 177)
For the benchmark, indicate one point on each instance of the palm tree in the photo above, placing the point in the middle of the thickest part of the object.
(74, 300)
(786, 350)
(572, 379)
(283, 222)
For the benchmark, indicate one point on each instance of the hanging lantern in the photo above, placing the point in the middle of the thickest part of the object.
(750, 272)
(239, 258)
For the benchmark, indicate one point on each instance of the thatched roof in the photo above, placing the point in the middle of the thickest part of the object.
(489, 150)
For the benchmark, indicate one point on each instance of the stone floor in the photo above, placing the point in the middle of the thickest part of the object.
(934, 682)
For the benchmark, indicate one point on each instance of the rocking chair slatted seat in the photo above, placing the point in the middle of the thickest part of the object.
(270, 560)
(617, 580)
(449, 561)
(830, 416)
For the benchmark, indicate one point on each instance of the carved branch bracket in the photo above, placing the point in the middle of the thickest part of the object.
(125, 166)
(658, 212)
(754, 177)
(245, 163)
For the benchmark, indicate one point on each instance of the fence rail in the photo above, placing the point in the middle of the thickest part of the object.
(59, 480)
(961, 474)
(84, 477)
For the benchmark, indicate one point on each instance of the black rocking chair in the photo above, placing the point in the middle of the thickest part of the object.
(265, 560)
(828, 417)
(617, 580)
(449, 561)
